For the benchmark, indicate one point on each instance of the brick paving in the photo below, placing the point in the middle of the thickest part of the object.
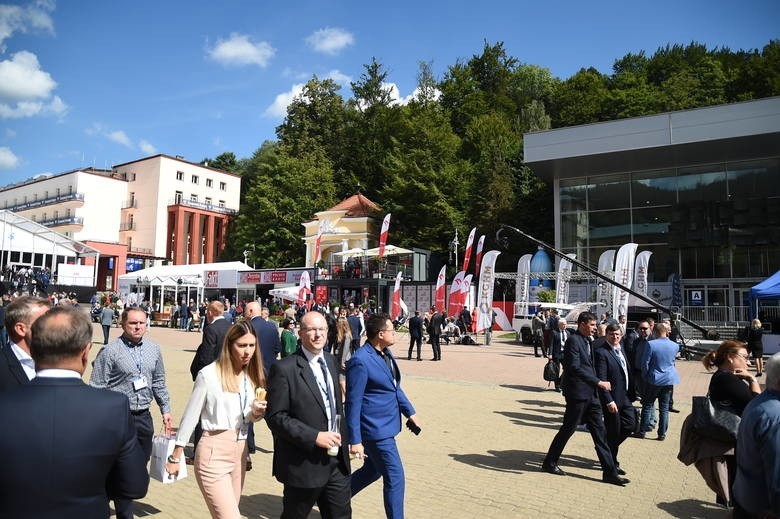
(487, 419)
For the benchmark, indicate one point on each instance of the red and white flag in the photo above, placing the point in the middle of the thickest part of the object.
(467, 254)
(464, 291)
(317, 242)
(395, 309)
(383, 236)
(454, 307)
(304, 288)
(439, 301)
(480, 244)
(487, 278)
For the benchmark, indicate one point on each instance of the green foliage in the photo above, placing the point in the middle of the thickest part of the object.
(546, 296)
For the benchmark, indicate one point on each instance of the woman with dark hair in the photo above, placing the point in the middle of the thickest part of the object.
(755, 345)
(344, 340)
(289, 340)
(732, 387)
(225, 401)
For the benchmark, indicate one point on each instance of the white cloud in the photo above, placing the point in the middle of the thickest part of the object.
(240, 50)
(120, 137)
(7, 158)
(14, 18)
(330, 40)
(278, 108)
(147, 147)
(26, 90)
(339, 77)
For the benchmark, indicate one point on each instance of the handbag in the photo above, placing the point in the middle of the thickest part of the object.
(715, 420)
(162, 447)
(550, 373)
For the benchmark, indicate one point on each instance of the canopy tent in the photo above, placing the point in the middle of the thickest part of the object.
(767, 289)
(174, 278)
(288, 293)
(350, 253)
(390, 250)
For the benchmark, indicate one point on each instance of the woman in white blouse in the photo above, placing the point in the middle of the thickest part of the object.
(223, 399)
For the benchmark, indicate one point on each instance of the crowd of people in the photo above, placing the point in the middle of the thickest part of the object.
(329, 388)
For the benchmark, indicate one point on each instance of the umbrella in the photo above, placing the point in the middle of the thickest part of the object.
(350, 253)
(390, 250)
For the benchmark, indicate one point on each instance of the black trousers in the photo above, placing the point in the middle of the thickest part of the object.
(144, 427)
(589, 413)
(619, 426)
(412, 342)
(106, 329)
(333, 499)
(436, 345)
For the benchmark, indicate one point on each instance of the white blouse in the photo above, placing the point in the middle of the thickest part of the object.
(216, 409)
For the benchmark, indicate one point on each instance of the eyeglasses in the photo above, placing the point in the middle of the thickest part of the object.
(644, 329)
(314, 330)
(387, 330)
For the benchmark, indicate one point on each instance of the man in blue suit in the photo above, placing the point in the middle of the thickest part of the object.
(76, 445)
(580, 385)
(375, 403)
(616, 403)
(268, 334)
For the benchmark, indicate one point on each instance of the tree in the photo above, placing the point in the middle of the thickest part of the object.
(225, 161)
(580, 99)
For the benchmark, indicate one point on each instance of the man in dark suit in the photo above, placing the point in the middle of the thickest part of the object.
(434, 331)
(77, 442)
(616, 403)
(304, 406)
(267, 333)
(415, 334)
(558, 339)
(375, 403)
(582, 405)
(355, 327)
(213, 337)
(17, 367)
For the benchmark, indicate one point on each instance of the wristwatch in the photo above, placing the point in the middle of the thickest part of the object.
(171, 459)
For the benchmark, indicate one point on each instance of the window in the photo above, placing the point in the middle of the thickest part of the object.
(46, 194)
(195, 179)
(35, 197)
(178, 197)
(25, 199)
(222, 203)
(70, 190)
(223, 186)
(32, 218)
(179, 175)
(132, 199)
(208, 201)
(209, 182)
(67, 213)
(193, 197)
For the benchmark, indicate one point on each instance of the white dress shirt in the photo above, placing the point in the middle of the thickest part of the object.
(216, 409)
(27, 362)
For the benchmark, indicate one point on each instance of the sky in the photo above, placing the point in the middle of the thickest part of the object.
(94, 83)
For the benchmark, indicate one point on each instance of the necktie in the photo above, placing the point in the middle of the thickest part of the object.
(623, 365)
(328, 393)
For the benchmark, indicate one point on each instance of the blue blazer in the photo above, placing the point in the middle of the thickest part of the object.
(78, 444)
(270, 343)
(375, 400)
(658, 363)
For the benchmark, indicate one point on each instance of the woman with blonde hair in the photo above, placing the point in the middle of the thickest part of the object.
(225, 401)
(731, 387)
(755, 345)
(344, 340)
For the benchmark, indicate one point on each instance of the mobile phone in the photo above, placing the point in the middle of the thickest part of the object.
(412, 427)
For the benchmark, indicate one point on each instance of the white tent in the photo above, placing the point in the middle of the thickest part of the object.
(351, 253)
(390, 250)
(289, 293)
(178, 278)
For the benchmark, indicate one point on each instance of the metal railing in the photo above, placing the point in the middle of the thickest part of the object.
(130, 204)
(46, 201)
(141, 250)
(127, 226)
(67, 220)
(369, 269)
(728, 314)
(201, 205)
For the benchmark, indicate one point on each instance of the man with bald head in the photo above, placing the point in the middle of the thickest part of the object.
(310, 447)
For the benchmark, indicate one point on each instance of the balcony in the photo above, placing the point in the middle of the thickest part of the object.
(371, 269)
(71, 200)
(127, 226)
(70, 223)
(141, 250)
(202, 205)
(130, 204)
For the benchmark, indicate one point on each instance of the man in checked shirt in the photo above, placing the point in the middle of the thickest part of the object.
(134, 366)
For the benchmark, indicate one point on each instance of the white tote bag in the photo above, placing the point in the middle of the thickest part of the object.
(162, 447)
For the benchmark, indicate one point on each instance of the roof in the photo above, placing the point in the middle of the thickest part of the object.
(191, 270)
(43, 232)
(356, 206)
(178, 159)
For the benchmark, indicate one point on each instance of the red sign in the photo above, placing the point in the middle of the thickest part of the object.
(212, 279)
(321, 293)
(278, 277)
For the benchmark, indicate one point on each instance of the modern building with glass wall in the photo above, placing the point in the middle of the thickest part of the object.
(699, 188)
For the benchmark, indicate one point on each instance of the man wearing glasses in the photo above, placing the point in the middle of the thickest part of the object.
(304, 409)
(375, 403)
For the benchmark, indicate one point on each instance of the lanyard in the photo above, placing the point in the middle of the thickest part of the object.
(242, 399)
(136, 356)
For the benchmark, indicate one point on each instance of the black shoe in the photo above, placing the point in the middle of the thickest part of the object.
(552, 468)
(661, 437)
(639, 435)
(409, 357)
(615, 480)
(672, 410)
(759, 374)
(621, 472)
(418, 359)
(537, 355)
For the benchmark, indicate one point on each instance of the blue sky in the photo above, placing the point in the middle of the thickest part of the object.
(96, 82)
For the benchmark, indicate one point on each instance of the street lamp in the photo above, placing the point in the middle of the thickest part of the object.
(454, 247)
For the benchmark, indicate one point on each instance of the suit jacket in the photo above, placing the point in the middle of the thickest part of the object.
(77, 443)
(434, 327)
(296, 413)
(608, 368)
(355, 326)
(416, 327)
(270, 342)
(579, 375)
(210, 346)
(555, 346)
(106, 316)
(375, 400)
(11, 372)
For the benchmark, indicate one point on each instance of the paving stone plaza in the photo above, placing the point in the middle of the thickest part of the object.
(487, 418)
